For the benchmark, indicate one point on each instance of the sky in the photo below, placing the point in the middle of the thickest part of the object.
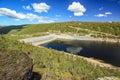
(16, 12)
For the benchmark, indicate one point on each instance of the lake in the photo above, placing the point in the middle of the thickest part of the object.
(107, 52)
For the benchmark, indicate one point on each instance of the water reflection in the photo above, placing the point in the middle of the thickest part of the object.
(74, 50)
(107, 52)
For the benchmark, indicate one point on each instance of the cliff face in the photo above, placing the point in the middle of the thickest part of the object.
(14, 65)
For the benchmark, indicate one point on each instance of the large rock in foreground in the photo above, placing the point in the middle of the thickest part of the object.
(14, 65)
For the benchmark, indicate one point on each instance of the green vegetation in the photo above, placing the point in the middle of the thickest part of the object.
(54, 65)
(96, 29)
(13, 64)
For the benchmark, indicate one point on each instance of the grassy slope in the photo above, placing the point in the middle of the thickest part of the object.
(64, 27)
(13, 64)
(53, 65)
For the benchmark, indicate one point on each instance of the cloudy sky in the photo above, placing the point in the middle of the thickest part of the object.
(15, 12)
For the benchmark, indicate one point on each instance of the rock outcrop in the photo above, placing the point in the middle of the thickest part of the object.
(15, 65)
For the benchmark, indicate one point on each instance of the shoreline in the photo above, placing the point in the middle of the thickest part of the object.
(87, 38)
(51, 37)
(92, 61)
(36, 41)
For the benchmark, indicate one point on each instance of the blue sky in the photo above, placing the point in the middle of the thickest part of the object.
(15, 12)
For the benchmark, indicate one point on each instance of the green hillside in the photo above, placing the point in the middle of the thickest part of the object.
(96, 29)
(54, 65)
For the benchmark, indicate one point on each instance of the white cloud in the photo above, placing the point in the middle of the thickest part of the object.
(40, 7)
(101, 8)
(18, 16)
(11, 13)
(31, 16)
(77, 8)
(103, 15)
(78, 14)
(108, 13)
(26, 7)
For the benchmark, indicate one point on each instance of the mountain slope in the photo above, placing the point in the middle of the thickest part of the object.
(97, 29)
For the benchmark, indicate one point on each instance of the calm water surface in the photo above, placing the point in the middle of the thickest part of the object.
(107, 52)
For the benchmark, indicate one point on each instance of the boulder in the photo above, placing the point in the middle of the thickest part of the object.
(15, 65)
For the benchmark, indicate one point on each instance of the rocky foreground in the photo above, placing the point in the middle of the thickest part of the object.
(15, 65)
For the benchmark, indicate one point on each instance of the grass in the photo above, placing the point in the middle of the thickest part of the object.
(101, 29)
(13, 64)
(53, 65)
